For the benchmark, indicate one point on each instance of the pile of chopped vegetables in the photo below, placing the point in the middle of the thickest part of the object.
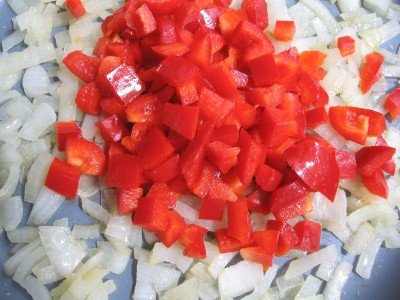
(210, 130)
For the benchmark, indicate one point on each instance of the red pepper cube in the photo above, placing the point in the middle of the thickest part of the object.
(316, 117)
(284, 30)
(192, 239)
(222, 155)
(211, 209)
(146, 108)
(76, 8)
(288, 239)
(128, 200)
(125, 83)
(257, 12)
(154, 149)
(176, 70)
(372, 159)
(66, 130)
(182, 119)
(369, 72)
(226, 243)
(124, 171)
(258, 202)
(214, 107)
(166, 171)
(142, 21)
(161, 8)
(309, 234)
(112, 129)
(165, 194)
(112, 106)
(392, 104)
(85, 155)
(221, 78)
(264, 70)
(346, 161)
(176, 226)
(187, 93)
(268, 178)
(63, 179)
(83, 66)
(88, 99)
(376, 184)
(346, 45)
(227, 134)
(151, 214)
(200, 52)
(311, 91)
(239, 224)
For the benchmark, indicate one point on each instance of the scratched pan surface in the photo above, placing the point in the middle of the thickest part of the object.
(384, 283)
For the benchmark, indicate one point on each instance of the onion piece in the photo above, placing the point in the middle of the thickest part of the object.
(265, 283)
(24, 234)
(119, 227)
(348, 5)
(324, 14)
(12, 40)
(89, 128)
(47, 274)
(360, 239)
(339, 278)
(26, 265)
(18, 6)
(10, 183)
(277, 10)
(383, 212)
(50, 100)
(239, 279)
(95, 210)
(41, 118)
(310, 288)
(378, 6)
(199, 270)
(88, 186)
(160, 277)
(16, 248)
(45, 206)
(220, 262)
(173, 255)
(35, 290)
(87, 231)
(9, 156)
(285, 285)
(35, 81)
(303, 264)
(367, 258)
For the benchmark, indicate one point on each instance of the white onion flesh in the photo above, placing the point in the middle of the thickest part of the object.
(173, 255)
(88, 231)
(35, 81)
(95, 210)
(367, 258)
(26, 265)
(336, 283)
(310, 288)
(41, 118)
(23, 234)
(36, 176)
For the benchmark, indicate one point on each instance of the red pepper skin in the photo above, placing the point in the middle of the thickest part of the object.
(376, 184)
(121, 50)
(257, 13)
(239, 224)
(81, 65)
(66, 130)
(392, 104)
(114, 23)
(221, 78)
(88, 99)
(182, 119)
(287, 236)
(176, 226)
(289, 201)
(176, 70)
(145, 109)
(166, 31)
(211, 209)
(346, 45)
(63, 179)
(88, 157)
(372, 159)
(192, 239)
(259, 65)
(369, 72)
(154, 149)
(214, 107)
(112, 106)
(166, 171)
(311, 62)
(268, 178)
(76, 8)
(177, 49)
(311, 91)
(192, 158)
(107, 65)
(226, 243)
(142, 21)
(284, 30)
(151, 214)
(245, 113)
(316, 117)
(309, 234)
(222, 155)
(187, 93)
(165, 194)
(125, 83)
(163, 7)
(112, 129)
(347, 163)
(128, 200)
(248, 158)
(200, 52)
(269, 97)
(316, 165)
(376, 120)
(258, 202)
(124, 171)
(227, 134)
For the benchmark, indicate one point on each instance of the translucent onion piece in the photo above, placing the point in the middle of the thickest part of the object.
(199, 270)
(83, 286)
(87, 231)
(9, 156)
(18, 6)
(31, 150)
(119, 227)
(47, 274)
(285, 284)
(89, 128)
(173, 255)
(367, 258)
(161, 278)
(35, 290)
(19, 108)
(324, 14)
(220, 262)
(9, 127)
(12, 40)
(360, 239)
(95, 210)
(41, 118)
(310, 288)
(45, 206)
(339, 278)
(35, 81)
(11, 182)
(378, 6)
(349, 5)
(88, 186)
(50, 100)
(264, 285)
(302, 16)
(383, 212)
(26, 265)
(277, 10)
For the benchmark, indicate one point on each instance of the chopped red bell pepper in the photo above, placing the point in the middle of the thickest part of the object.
(227, 134)
(221, 78)
(112, 129)
(309, 234)
(88, 99)
(239, 224)
(311, 91)
(288, 239)
(372, 159)
(154, 149)
(88, 157)
(222, 155)
(112, 106)
(122, 50)
(376, 183)
(63, 179)
(175, 227)
(311, 62)
(268, 178)
(369, 72)
(257, 13)
(347, 163)
(151, 214)
(392, 104)
(165, 194)
(346, 45)
(162, 7)
(177, 49)
(76, 8)
(166, 171)
(200, 52)
(187, 93)
(124, 171)
(146, 108)
(192, 239)
(284, 30)
(83, 66)
(142, 21)
(66, 130)
(316, 117)
(128, 200)
(258, 202)
(211, 209)
(258, 67)
(182, 119)
(226, 243)
(269, 97)
(214, 107)
(176, 70)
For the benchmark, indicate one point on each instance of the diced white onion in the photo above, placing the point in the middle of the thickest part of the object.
(310, 288)
(285, 284)
(378, 6)
(367, 258)
(339, 278)
(47, 274)
(383, 212)
(36, 290)
(173, 255)
(10, 182)
(87, 231)
(23, 234)
(41, 118)
(35, 81)
(95, 210)
(349, 5)
(12, 40)
(360, 239)
(26, 265)
(265, 283)
(220, 262)
(324, 14)
(119, 227)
